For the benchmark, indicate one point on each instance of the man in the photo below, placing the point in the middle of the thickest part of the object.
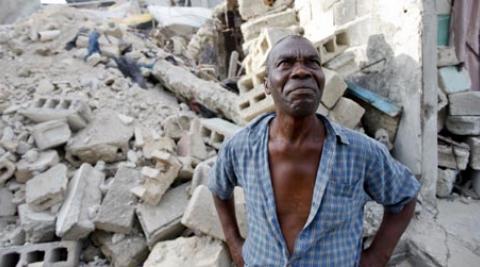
(306, 179)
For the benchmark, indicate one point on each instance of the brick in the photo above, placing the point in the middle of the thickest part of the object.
(202, 173)
(105, 138)
(453, 156)
(452, 80)
(7, 168)
(252, 28)
(117, 211)
(39, 226)
(51, 134)
(464, 103)
(201, 214)
(445, 180)
(47, 189)
(334, 88)
(131, 251)
(347, 112)
(446, 56)
(7, 207)
(26, 168)
(253, 8)
(75, 219)
(463, 125)
(255, 103)
(75, 111)
(162, 221)
(344, 11)
(201, 251)
(215, 131)
(55, 254)
(156, 186)
(474, 144)
(333, 45)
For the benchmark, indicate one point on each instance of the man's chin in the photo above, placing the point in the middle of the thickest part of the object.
(304, 110)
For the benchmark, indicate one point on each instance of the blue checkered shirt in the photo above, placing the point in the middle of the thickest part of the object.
(353, 169)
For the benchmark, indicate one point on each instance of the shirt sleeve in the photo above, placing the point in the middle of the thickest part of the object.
(222, 179)
(389, 182)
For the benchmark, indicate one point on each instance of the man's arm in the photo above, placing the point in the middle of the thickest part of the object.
(392, 227)
(226, 213)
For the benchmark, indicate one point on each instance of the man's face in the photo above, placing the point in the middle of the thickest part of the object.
(295, 78)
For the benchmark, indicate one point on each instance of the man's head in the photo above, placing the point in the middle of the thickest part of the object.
(294, 76)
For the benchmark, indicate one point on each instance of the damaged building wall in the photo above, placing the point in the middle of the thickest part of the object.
(10, 11)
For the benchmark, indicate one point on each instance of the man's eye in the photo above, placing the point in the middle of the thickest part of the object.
(284, 63)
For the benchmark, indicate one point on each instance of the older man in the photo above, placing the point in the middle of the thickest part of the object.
(306, 179)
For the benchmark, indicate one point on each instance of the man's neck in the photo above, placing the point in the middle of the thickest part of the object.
(297, 129)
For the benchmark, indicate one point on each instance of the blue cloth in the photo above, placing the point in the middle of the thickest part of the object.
(353, 169)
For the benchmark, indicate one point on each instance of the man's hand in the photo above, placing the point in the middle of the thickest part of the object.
(235, 248)
(371, 259)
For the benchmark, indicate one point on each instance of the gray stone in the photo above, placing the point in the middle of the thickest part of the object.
(453, 156)
(51, 134)
(252, 8)
(7, 168)
(347, 112)
(38, 226)
(26, 167)
(131, 251)
(373, 215)
(334, 88)
(175, 125)
(445, 180)
(117, 211)
(474, 143)
(202, 173)
(452, 80)
(191, 144)
(7, 208)
(464, 103)
(215, 131)
(156, 185)
(463, 125)
(446, 56)
(162, 221)
(47, 189)
(253, 27)
(75, 219)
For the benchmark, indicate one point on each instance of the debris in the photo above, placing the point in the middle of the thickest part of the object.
(215, 131)
(347, 112)
(39, 226)
(445, 180)
(452, 80)
(464, 103)
(35, 162)
(7, 168)
(51, 134)
(63, 253)
(47, 189)
(131, 251)
(7, 207)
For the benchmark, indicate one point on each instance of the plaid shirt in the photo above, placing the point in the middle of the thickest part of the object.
(353, 169)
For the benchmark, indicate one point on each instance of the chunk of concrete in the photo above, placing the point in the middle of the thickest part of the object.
(446, 56)
(162, 221)
(201, 173)
(201, 214)
(38, 226)
(202, 251)
(452, 80)
(474, 143)
(255, 103)
(453, 156)
(332, 46)
(343, 12)
(47, 189)
(445, 180)
(58, 254)
(464, 103)
(176, 124)
(253, 27)
(26, 167)
(263, 44)
(463, 125)
(191, 143)
(131, 251)
(75, 111)
(116, 214)
(51, 134)
(215, 131)
(7, 168)
(334, 88)
(7, 207)
(75, 219)
(105, 138)
(252, 8)
(347, 112)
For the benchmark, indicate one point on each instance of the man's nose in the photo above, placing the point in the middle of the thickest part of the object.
(299, 71)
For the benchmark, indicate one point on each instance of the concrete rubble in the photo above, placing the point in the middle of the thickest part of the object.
(112, 118)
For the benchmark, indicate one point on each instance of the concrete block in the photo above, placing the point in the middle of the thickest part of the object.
(26, 167)
(191, 144)
(38, 226)
(202, 251)
(452, 80)
(463, 125)
(474, 144)
(117, 211)
(344, 11)
(75, 219)
(443, 7)
(105, 138)
(75, 111)
(47, 189)
(344, 64)
(201, 214)
(255, 103)
(55, 254)
(7, 168)
(162, 221)
(188, 167)
(175, 125)
(445, 180)
(51, 134)
(322, 110)
(245, 84)
(263, 44)
(215, 130)
(254, 78)
(253, 27)
(333, 45)
(334, 88)
(202, 173)
(163, 143)
(464, 103)
(131, 251)
(446, 56)
(347, 112)
(253, 8)
(453, 156)
(7, 207)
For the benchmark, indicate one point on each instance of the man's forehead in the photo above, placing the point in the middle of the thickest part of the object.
(293, 46)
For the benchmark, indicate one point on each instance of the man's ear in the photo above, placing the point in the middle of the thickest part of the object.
(266, 84)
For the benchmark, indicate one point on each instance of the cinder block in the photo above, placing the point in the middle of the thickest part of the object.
(445, 180)
(55, 254)
(162, 221)
(116, 214)
(245, 84)
(453, 156)
(463, 125)
(202, 173)
(262, 46)
(26, 168)
(253, 8)
(176, 124)
(344, 64)
(191, 144)
(452, 80)
(201, 214)
(474, 143)
(254, 103)
(464, 103)
(334, 88)
(130, 251)
(322, 110)
(7, 168)
(39, 226)
(51, 134)
(253, 27)
(7, 207)
(75, 111)
(215, 131)
(47, 189)
(347, 112)
(446, 56)
(75, 219)
(332, 46)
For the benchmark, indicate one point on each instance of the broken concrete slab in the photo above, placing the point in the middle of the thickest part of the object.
(251, 8)
(27, 166)
(7, 208)
(7, 168)
(463, 125)
(474, 144)
(452, 80)
(464, 103)
(453, 156)
(191, 143)
(202, 251)
(347, 112)
(105, 138)
(163, 143)
(61, 254)
(202, 173)
(175, 125)
(38, 226)
(117, 211)
(75, 219)
(51, 134)
(47, 189)
(131, 251)
(253, 27)
(334, 88)
(215, 131)
(445, 180)
(162, 221)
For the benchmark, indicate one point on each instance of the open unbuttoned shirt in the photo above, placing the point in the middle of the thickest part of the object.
(352, 170)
